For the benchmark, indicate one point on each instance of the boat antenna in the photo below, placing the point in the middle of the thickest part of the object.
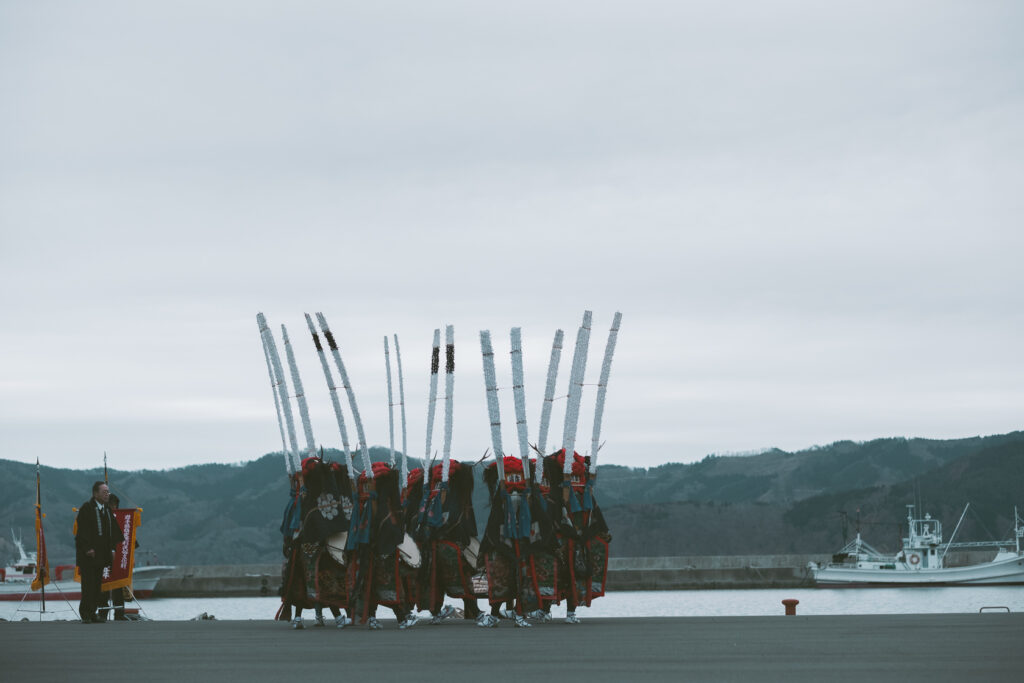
(956, 529)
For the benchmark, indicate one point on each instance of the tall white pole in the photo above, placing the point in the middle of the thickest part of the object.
(277, 408)
(300, 396)
(572, 408)
(368, 466)
(549, 398)
(335, 401)
(449, 391)
(519, 395)
(602, 389)
(275, 359)
(401, 403)
(435, 362)
(391, 406)
(493, 411)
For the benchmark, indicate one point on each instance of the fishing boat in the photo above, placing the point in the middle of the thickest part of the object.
(16, 579)
(921, 561)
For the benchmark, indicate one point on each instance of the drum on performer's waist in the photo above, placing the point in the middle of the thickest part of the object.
(409, 552)
(336, 546)
(472, 551)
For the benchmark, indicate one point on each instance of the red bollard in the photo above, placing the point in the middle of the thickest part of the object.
(790, 604)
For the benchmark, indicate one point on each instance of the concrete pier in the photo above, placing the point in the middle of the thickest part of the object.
(938, 647)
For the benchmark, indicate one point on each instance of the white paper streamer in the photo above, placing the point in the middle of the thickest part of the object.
(401, 403)
(491, 387)
(572, 408)
(335, 401)
(277, 407)
(602, 389)
(549, 398)
(300, 396)
(282, 384)
(519, 395)
(368, 467)
(449, 391)
(435, 361)
(391, 406)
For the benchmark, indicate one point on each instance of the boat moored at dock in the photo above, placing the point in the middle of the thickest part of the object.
(921, 561)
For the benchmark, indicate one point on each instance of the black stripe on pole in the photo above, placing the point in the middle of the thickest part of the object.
(316, 340)
(449, 352)
(435, 360)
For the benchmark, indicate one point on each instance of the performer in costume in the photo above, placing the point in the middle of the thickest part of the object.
(293, 575)
(583, 554)
(326, 507)
(545, 547)
(514, 534)
(96, 536)
(445, 528)
(376, 573)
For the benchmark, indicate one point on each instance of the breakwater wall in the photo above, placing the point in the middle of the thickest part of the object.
(624, 573)
(691, 572)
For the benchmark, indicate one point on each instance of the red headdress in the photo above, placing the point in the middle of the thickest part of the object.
(415, 477)
(515, 480)
(579, 468)
(380, 469)
(435, 471)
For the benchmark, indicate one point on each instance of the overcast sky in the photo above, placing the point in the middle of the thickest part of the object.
(808, 213)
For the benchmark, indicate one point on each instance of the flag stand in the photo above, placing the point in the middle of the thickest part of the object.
(42, 604)
(138, 613)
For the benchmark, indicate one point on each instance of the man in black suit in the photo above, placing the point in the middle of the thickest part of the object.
(96, 536)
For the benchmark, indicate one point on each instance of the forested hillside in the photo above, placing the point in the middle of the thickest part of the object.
(771, 503)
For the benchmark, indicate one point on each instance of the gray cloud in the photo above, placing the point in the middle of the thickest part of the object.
(808, 214)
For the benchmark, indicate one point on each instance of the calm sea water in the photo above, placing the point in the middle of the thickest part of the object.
(706, 603)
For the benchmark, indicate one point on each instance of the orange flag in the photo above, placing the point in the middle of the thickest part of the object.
(42, 576)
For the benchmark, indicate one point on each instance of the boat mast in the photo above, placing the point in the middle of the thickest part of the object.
(945, 549)
(1017, 528)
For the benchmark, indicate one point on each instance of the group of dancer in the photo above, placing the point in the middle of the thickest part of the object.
(416, 544)
(386, 536)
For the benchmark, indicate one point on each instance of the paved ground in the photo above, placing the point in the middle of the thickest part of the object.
(936, 647)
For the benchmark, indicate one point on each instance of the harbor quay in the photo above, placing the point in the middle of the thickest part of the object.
(932, 647)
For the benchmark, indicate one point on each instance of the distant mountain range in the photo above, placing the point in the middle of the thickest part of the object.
(771, 503)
